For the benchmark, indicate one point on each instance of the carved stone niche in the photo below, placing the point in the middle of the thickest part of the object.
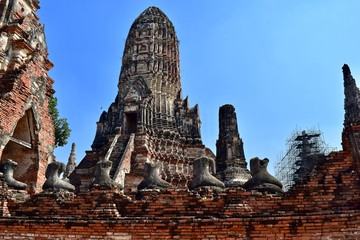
(53, 178)
(202, 176)
(262, 180)
(8, 168)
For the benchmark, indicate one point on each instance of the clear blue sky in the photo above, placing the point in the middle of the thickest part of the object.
(277, 61)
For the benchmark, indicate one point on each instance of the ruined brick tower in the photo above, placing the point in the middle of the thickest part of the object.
(149, 120)
(26, 129)
(230, 156)
(351, 131)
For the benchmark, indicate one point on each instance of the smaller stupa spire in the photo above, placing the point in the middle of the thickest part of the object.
(352, 98)
(230, 157)
(70, 166)
(346, 70)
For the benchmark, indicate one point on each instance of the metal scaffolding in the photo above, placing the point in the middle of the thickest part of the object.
(301, 147)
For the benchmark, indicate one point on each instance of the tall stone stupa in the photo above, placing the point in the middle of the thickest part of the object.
(149, 121)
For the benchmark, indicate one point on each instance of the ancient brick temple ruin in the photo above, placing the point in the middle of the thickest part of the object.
(148, 175)
(149, 120)
(26, 129)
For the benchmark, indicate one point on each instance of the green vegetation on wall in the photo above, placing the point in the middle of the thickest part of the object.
(62, 130)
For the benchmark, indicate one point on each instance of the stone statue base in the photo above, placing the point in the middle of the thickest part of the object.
(236, 177)
(205, 190)
(60, 195)
(269, 188)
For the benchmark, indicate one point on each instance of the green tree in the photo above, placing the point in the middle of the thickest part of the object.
(62, 130)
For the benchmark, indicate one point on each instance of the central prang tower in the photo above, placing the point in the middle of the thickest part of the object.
(149, 121)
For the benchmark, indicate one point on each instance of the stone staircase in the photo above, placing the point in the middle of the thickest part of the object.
(117, 153)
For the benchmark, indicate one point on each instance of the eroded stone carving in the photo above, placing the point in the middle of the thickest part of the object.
(201, 168)
(8, 168)
(262, 180)
(152, 178)
(102, 175)
(3, 41)
(53, 179)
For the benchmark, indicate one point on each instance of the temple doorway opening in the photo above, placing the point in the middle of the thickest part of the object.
(130, 122)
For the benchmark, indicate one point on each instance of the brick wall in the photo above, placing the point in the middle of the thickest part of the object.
(337, 226)
(326, 205)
